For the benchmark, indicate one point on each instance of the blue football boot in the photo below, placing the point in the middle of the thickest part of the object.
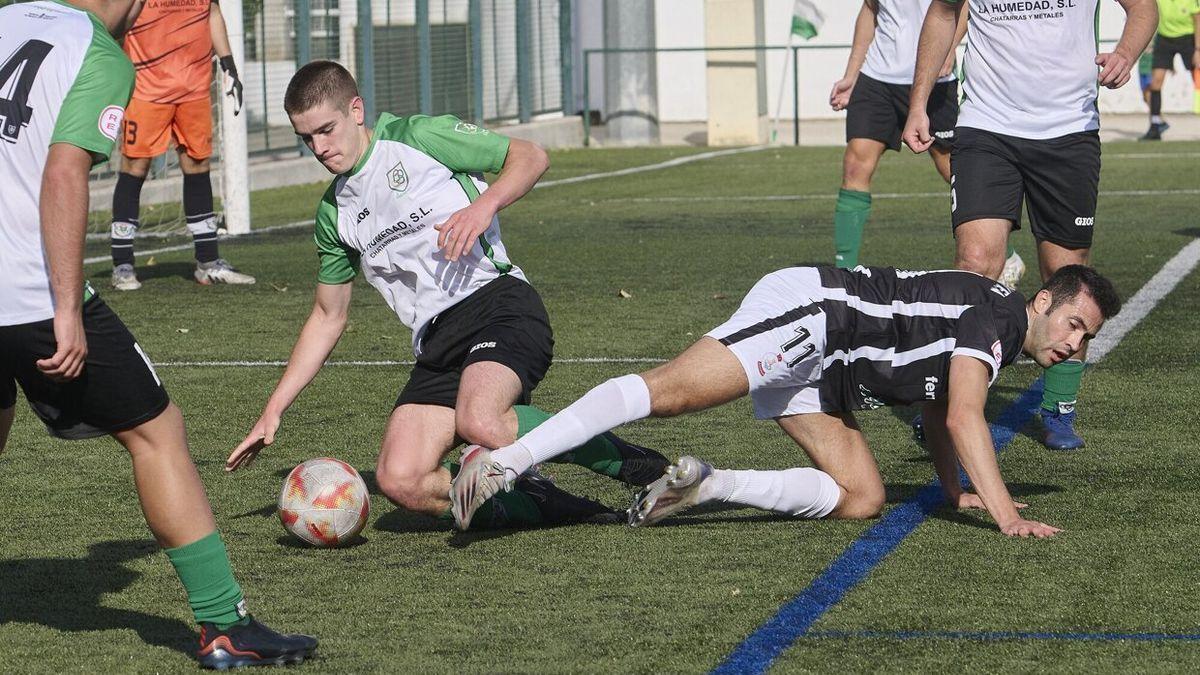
(1060, 428)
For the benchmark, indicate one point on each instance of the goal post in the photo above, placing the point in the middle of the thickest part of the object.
(235, 175)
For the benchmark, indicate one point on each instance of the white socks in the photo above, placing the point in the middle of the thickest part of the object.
(609, 405)
(801, 492)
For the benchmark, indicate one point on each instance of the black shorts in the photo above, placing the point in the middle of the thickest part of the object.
(1166, 48)
(878, 111)
(1058, 179)
(118, 389)
(505, 322)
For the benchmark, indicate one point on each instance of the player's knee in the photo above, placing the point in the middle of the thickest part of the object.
(979, 259)
(857, 172)
(484, 429)
(861, 504)
(402, 487)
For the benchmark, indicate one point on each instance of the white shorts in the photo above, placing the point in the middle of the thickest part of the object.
(778, 334)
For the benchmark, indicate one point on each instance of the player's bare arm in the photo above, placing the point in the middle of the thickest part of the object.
(945, 460)
(972, 440)
(318, 337)
(960, 32)
(64, 209)
(523, 166)
(937, 40)
(864, 34)
(1141, 21)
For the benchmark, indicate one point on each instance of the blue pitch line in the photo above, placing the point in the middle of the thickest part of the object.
(1002, 635)
(756, 653)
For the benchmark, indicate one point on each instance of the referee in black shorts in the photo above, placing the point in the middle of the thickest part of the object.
(1178, 31)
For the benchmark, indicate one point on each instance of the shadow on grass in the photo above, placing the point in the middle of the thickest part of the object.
(168, 270)
(65, 594)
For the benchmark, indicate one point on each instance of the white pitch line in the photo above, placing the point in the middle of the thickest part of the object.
(881, 195)
(1148, 296)
(280, 364)
(181, 247)
(650, 167)
(545, 184)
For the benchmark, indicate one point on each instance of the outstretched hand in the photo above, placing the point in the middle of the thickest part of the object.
(970, 500)
(262, 435)
(1029, 528)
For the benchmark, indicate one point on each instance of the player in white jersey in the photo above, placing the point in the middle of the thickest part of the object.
(1028, 132)
(810, 345)
(874, 93)
(64, 84)
(409, 211)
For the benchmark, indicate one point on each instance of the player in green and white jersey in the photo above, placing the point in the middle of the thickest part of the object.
(1028, 132)
(409, 211)
(64, 84)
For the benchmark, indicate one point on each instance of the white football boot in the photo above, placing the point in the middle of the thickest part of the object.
(478, 480)
(1014, 269)
(124, 278)
(220, 271)
(678, 489)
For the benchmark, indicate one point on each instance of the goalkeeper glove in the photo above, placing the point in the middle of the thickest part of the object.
(233, 84)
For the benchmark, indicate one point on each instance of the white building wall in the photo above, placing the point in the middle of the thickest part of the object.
(680, 23)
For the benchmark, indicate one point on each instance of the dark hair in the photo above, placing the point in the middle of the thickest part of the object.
(1071, 280)
(319, 82)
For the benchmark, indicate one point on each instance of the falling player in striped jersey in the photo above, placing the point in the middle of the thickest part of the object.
(810, 345)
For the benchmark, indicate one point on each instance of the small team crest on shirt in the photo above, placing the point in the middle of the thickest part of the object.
(998, 352)
(768, 361)
(468, 128)
(110, 121)
(397, 177)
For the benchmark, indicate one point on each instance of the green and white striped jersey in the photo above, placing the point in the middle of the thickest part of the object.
(379, 217)
(63, 79)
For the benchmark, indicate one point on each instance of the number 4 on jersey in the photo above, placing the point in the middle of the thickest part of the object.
(22, 66)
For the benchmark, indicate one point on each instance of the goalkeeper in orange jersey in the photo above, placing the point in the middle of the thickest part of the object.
(171, 47)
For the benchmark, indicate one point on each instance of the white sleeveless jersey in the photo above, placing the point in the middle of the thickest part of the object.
(892, 56)
(379, 218)
(63, 79)
(1030, 69)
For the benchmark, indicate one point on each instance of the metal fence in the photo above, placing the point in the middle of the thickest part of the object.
(484, 60)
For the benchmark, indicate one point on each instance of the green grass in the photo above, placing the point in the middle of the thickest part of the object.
(83, 588)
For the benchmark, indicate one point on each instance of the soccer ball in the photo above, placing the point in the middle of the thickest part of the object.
(324, 502)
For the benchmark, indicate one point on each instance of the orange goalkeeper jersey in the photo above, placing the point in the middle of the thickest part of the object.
(171, 48)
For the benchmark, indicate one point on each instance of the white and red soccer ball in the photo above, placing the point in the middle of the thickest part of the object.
(324, 502)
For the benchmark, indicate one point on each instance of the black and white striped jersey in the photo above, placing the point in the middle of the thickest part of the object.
(890, 334)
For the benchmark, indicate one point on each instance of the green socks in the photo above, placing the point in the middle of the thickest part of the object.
(849, 218)
(1062, 386)
(598, 454)
(213, 593)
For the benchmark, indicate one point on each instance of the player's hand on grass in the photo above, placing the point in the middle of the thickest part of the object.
(839, 97)
(970, 500)
(1115, 69)
(461, 230)
(1029, 528)
(916, 131)
(262, 435)
(70, 350)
